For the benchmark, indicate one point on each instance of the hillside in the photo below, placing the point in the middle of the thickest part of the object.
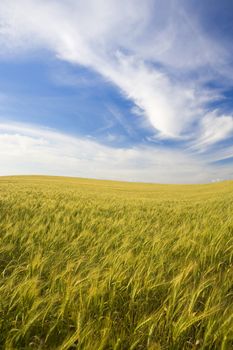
(89, 264)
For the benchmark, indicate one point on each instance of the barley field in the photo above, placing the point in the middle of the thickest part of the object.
(100, 265)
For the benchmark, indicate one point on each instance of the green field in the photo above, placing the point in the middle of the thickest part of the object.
(88, 264)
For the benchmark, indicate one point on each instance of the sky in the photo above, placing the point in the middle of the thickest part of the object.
(122, 90)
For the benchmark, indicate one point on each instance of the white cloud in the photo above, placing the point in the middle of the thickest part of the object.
(146, 48)
(32, 150)
(214, 128)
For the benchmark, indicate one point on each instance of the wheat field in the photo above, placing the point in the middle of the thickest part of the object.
(100, 265)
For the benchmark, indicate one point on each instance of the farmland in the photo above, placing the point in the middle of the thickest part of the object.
(87, 264)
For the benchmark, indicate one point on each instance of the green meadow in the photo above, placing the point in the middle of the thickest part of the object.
(102, 265)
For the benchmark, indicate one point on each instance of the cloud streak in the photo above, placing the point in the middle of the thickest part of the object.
(158, 55)
(26, 149)
(147, 49)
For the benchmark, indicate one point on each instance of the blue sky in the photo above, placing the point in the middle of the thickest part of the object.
(138, 91)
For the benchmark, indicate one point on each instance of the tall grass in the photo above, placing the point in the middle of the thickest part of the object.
(109, 265)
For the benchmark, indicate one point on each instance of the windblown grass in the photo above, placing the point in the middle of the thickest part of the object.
(103, 265)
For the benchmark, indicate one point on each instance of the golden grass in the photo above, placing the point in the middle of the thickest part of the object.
(88, 264)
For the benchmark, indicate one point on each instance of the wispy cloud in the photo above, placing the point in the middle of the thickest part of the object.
(156, 52)
(145, 48)
(213, 128)
(26, 149)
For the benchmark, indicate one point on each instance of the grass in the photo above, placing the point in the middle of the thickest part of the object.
(88, 264)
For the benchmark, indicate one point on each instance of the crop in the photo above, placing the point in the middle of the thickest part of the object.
(100, 265)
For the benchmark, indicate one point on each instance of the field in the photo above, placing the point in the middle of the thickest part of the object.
(102, 265)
